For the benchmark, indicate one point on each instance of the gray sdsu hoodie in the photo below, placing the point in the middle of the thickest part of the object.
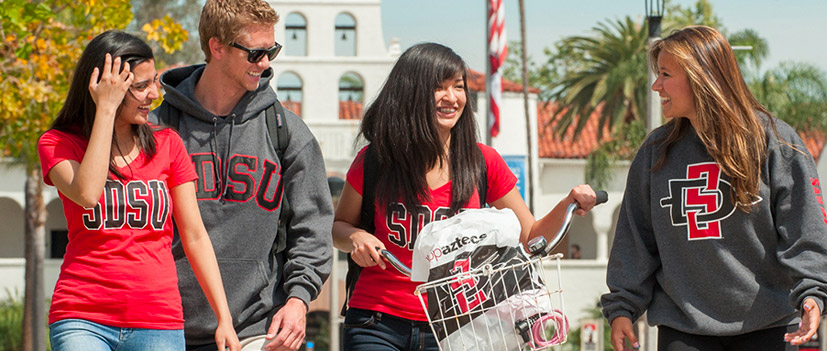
(238, 177)
(685, 255)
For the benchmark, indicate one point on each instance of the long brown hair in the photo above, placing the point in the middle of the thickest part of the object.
(728, 120)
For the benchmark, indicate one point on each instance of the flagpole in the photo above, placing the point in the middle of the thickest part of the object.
(487, 84)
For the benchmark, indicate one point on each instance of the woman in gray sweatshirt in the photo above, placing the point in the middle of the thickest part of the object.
(721, 234)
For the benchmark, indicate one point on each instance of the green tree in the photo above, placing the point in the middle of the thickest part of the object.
(796, 93)
(678, 16)
(186, 13)
(42, 40)
(606, 72)
(613, 77)
(755, 52)
(612, 72)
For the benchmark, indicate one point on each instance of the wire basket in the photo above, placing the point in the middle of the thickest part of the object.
(515, 305)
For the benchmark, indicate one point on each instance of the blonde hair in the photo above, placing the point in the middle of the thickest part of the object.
(728, 118)
(224, 20)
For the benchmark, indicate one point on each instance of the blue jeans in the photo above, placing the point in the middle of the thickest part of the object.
(83, 335)
(366, 330)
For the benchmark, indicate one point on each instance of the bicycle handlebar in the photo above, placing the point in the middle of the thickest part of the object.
(602, 197)
(395, 262)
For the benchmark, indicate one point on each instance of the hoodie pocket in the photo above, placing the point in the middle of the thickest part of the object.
(243, 279)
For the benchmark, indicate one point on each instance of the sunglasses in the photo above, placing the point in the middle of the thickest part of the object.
(255, 55)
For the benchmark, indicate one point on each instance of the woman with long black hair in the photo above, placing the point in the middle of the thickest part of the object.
(424, 136)
(121, 182)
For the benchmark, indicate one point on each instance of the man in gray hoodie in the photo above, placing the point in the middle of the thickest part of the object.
(220, 112)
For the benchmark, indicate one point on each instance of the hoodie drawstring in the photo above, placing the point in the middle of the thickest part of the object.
(226, 164)
(217, 165)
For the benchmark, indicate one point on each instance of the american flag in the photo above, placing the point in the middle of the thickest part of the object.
(497, 52)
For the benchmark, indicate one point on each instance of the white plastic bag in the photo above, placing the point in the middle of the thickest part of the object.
(440, 243)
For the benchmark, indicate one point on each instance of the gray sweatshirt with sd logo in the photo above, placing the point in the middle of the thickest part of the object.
(683, 253)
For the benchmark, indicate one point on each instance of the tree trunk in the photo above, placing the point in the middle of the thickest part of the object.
(529, 139)
(34, 310)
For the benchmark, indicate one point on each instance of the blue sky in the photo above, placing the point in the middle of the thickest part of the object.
(794, 29)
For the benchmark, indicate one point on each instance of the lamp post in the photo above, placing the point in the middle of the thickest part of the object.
(654, 14)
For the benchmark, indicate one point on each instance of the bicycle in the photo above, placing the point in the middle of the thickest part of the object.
(512, 305)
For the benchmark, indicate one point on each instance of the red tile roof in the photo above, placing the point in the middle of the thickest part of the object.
(347, 109)
(293, 106)
(814, 142)
(552, 146)
(476, 82)
(350, 109)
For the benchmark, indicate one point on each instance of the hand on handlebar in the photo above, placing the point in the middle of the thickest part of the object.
(366, 249)
(585, 197)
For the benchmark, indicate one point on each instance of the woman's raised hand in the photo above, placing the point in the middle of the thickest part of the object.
(109, 91)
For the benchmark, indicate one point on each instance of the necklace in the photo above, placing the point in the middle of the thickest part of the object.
(128, 157)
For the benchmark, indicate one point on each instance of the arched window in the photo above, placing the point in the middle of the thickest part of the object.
(14, 244)
(345, 35)
(351, 92)
(295, 28)
(289, 91)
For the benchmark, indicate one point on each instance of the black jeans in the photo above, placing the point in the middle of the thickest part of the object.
(771, 339)
(366, 330)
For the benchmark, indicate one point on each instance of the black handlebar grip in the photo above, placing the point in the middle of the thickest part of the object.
(602, 196)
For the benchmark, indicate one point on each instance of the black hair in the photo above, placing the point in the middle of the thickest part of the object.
(401, 125)
(78, 112)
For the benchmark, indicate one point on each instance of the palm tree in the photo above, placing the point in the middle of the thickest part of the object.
(796, 93)
(700, 13)
(613, 75)
(749, 60)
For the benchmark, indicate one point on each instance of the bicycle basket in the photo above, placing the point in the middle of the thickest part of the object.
(514, 305)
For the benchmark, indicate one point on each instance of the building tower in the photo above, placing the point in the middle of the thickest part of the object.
(333, 63)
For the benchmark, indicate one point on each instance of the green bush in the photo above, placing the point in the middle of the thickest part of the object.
(11, 322)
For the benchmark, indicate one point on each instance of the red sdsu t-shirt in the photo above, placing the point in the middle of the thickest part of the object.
(389, 291)
(118, 268)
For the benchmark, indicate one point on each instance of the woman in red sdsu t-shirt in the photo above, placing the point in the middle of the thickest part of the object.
(425, 141)
(118, 179)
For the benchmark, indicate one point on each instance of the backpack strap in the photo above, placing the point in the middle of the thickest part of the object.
(366, 218)
(371, 176)
(482, 186)
(278, 131)
(280, 137)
